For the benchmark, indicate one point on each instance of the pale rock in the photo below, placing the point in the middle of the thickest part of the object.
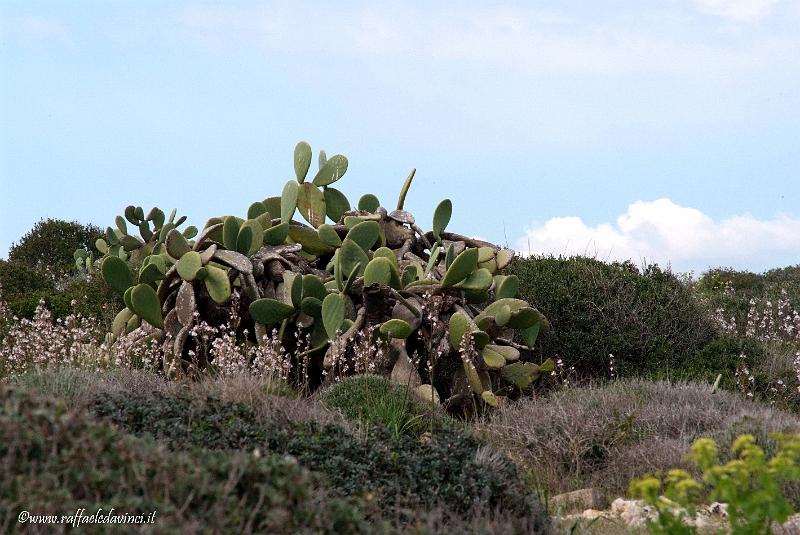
(575, 501)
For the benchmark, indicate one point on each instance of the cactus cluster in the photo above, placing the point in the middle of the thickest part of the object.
(449, 320)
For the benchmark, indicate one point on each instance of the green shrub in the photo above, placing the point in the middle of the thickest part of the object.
(751, 485)
(41, 268)
(92, 297)
(375, 400)
(22, 287)
(739, 293)
(395, 471)
(52, 456)
(722, 355)
(50, 244)
(649, 319)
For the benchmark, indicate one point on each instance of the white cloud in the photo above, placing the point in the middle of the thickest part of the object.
(737, 10)
(669, 234)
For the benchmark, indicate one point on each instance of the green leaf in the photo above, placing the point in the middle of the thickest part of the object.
(525, 318)
(520, 374)
(336, 204)
(311, 306)
(492, 359)
(458, 327)
(121, 225)
(250, 238)
(309, 239)
(270, 311)
(351, 255)
(490, 398)
(396, 328)
(530, 334)
(188, 265)
(289, 200)
(365, 234)
(117, 273)
(378, 271)
(256, 209)
(329, 236)
(508, 287)
(441, 217)
(126, 298)
(99, 244)
(334, 168)
(152, 272)
(369, 203)
(461, 268)
(146, 304)
(217, 284)
(502, 316)
(230, 233)
(508, 354)
(276, 235)
(333, 314)
(479, 280)
(120, 320)
(311, 203)
(190, 232)
(273, 206)
(313, 287)
(144, 231)
(302, 160)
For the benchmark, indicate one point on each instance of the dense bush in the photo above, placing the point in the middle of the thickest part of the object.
(447, 469)
(51, 456)
(80, 389)
(725, 355)
(749, 284)
(50, 244)
(375, 400)
(736, 292)
(603, 437)
(41, 268)
(762, 312)
(648, 319)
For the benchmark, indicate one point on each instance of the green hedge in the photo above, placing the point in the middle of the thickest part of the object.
(648, 319)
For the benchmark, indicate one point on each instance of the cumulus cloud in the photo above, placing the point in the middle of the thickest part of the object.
(664, 232)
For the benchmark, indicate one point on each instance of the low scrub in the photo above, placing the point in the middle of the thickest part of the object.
(444, 470)
(49, 455)
(604, 436)
(374, 400)
(362, 480)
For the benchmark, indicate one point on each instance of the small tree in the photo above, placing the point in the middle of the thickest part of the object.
(50, 244)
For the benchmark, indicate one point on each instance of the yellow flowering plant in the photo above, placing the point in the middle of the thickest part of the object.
(750, 484)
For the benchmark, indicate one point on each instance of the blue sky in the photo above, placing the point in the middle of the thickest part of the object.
(664, 131)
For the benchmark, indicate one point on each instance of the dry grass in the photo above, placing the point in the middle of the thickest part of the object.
(270, 401)
(604, 436)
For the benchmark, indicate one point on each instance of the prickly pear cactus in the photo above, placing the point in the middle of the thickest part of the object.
(434, 306)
